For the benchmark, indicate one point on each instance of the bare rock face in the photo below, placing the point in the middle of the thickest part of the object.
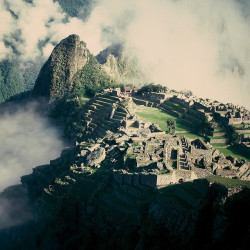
(96, 157)
(56, 75)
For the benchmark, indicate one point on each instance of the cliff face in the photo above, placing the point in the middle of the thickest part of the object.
(56, 75)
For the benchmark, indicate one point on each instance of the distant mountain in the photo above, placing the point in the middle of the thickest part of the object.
(16, 78)
(122, 66)
(77, 8)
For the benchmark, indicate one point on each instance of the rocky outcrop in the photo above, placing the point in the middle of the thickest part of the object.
(56, 75)
(96, 157)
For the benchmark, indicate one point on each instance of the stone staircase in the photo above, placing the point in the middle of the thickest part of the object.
(183, 158)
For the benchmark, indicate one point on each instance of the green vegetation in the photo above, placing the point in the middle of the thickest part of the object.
(227, 181)
(125, 102)
(171, 125)
(218, 137)
(159, 117)
(186, 92)
(76, 8)
(152, 88)
(218, 129)
(91, 79)
(219, 144)
(234, 152)
(15, 79)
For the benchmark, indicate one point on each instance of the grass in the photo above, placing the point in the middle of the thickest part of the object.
(227, 181)
(125, 102)
(218, 137)
(218, 129)
(218, 132)
(234, 152)
(219, 144)
(154, 115)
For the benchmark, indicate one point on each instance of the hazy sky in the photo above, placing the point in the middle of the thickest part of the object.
(199, 45)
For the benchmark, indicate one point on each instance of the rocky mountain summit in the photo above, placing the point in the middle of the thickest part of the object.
(56, 75)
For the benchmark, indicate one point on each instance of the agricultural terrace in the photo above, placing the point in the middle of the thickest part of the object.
(155, 115)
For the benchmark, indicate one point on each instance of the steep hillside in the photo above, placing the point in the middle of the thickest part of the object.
(16, 78)
(56, 75)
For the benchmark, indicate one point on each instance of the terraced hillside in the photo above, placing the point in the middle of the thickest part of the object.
(104, 113)
(189, 116)
(219, 137)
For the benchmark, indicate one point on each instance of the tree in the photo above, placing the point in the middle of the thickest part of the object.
(171, 125)
(205, 128)
(186, 92)
(147, 88)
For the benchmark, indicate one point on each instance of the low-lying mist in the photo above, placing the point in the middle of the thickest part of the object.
(27, 140)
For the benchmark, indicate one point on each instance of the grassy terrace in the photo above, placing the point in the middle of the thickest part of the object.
(155, 115)
(218, 129)
(220, 144)
(232, 151)
(227, 181)
(218, 137)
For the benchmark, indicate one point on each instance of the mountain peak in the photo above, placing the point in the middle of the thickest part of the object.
(56, 75)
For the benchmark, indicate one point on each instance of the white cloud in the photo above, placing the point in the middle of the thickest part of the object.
(27, 140)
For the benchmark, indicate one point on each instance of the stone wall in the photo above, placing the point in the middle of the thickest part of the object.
(234, 121)
(153, 180)
(156, 97)
(185, 175)
(142, 102)
(218, 140)
(243, 131)
(165, 179)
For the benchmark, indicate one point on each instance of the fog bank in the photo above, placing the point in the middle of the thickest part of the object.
(27, 140)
